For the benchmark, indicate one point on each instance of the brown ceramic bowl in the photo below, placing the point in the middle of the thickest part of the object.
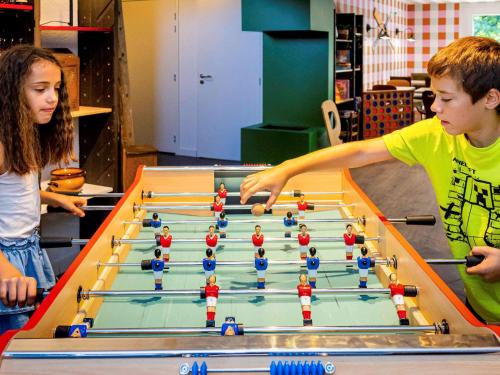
(67, 180)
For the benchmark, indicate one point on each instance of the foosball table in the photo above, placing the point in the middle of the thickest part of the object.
(168, 284)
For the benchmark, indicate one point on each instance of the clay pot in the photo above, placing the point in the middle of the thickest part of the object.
(67, 180)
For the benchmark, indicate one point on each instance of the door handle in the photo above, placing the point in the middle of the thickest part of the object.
(203, 76)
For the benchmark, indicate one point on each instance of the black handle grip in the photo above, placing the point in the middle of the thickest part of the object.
(473, 260)
(39, 295)
(420, 220)
(310, 206)
(51, 242)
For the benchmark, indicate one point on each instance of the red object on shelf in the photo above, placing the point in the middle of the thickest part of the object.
(16, 6)
(75, 28)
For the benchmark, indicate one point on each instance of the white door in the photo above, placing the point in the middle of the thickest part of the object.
(225, 81)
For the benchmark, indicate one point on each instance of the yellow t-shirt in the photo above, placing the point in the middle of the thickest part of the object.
(466, 180)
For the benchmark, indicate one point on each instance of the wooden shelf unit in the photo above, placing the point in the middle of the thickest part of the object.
(349, 76)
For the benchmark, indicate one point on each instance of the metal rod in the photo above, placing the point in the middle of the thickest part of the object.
(237, 194)
(245, 221)
(193, 292)
(235, 240)
(102, 195)
(445, 261)
(230, 207)
(260, 330)
(311, 351)
(248, 263)
(238, 168)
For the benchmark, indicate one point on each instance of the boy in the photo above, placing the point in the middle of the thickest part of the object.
(459, 149)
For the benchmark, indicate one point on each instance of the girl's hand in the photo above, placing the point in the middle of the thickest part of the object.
(18, 290)
(271, 180)
(69, 203)
(489, 268)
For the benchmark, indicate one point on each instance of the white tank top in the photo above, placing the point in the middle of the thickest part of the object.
(19, 205)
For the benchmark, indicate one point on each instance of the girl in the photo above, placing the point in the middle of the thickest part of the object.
(35, 129)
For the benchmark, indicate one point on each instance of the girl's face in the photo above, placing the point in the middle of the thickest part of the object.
(42, 90)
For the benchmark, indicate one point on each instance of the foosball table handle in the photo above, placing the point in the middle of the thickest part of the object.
(473, 260)
(420, 220)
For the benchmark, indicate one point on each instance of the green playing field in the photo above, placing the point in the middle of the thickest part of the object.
(251, 310)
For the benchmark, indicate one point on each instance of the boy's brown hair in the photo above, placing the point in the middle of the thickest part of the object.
(473, 62)
(27, 147)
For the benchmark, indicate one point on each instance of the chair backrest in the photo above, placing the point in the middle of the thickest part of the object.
(398, 82)
(383, 87)
(328, 107)
(428, 98)
(404, 78)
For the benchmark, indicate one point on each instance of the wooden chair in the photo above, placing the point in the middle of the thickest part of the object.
(404, 78)
(383, 87)
(398, 82)
(328, 107)
(427, 100)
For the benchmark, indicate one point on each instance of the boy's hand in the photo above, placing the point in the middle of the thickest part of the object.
(18, 290)
(271, 180)
(489, 268)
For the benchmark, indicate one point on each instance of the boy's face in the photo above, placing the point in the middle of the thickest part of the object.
(42, 90)
(453, 106)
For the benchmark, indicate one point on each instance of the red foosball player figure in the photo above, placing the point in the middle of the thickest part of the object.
(158, 266)
(349, 240)
(304, 239)
(165, 242)
(222, 192)
(211, 295)
(211, 238)
(397, 293)
(218, 207)
(305, 293)
(257, 239)
(302, 207)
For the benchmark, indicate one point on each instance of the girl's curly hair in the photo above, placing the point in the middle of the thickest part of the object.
(28, 147)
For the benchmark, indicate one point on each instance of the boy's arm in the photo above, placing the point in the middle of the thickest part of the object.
(15, 289)
(347, 155)
(70, 203)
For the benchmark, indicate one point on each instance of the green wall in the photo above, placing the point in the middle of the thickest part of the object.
(295, 78)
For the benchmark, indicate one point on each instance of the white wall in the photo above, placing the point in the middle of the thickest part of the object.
(469, 10)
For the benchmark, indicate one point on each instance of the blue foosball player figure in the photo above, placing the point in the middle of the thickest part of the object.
(312, 262)
(158, 266)
(209, 263)
(230, 327)
(156, 221)
(261, 264)
(289, 221)
(222, 225)
(364, 264)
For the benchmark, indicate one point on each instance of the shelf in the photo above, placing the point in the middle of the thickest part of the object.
(75, 28)
(88, 111)
(342, 101)
(16, 6)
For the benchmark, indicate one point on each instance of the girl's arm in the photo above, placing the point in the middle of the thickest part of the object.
(68, 202)
(347, 155)
(15, 289)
